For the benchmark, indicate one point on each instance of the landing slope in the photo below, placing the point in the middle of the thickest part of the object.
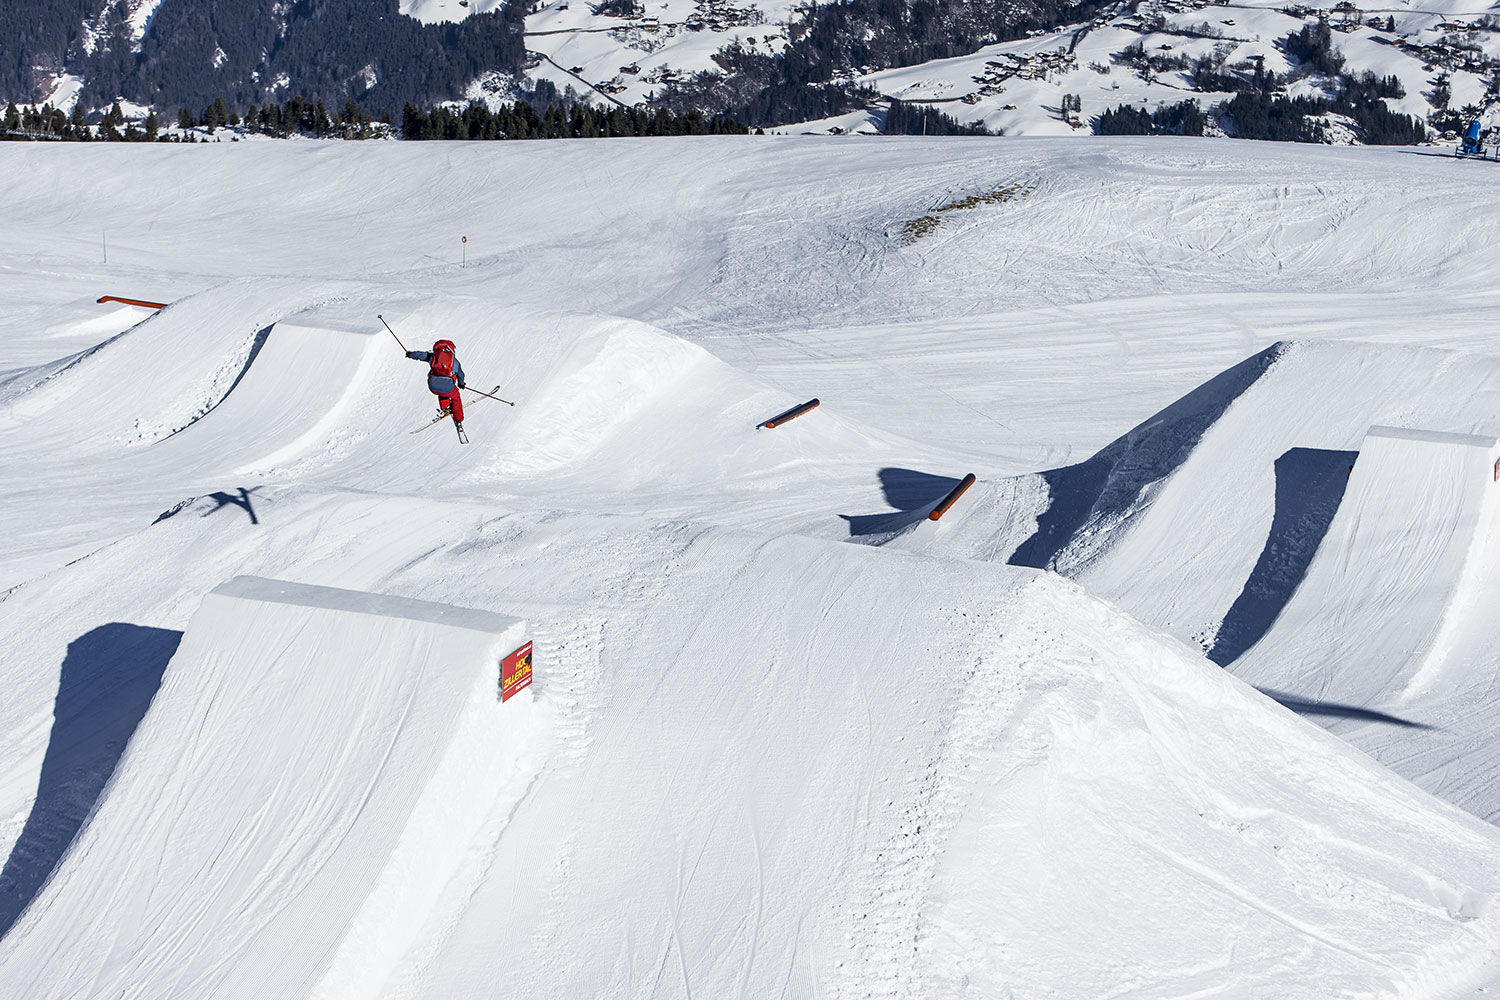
(826, 768)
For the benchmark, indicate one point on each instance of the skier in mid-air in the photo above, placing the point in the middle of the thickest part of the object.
(445, 376)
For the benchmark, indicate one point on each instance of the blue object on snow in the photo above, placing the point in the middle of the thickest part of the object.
(1470, 142)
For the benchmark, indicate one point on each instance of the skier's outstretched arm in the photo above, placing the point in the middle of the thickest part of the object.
(419, 355)
(458, 373)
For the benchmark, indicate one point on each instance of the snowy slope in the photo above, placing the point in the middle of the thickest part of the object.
(757, 758)
(329, 756)
(1408, 517)
(1232, 519)
(1019, 85)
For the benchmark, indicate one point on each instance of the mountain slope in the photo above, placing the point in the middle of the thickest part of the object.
(762, 753)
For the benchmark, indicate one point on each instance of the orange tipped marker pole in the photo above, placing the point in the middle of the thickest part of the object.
(952, 497)
(133, 302)
(786, 415)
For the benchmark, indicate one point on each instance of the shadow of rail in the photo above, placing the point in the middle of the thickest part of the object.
(913, 494)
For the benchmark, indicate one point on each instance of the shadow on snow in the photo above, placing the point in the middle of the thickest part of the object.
(1310, 485)
(240, 498)
(1111, 483)
(1332, 708)
(107, 681)
(912, 494)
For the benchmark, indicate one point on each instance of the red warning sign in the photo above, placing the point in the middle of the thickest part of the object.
(515, 672)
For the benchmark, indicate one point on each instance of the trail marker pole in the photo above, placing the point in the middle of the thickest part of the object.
(463, 260)
(104, 242)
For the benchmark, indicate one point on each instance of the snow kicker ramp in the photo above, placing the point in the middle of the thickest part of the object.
(299, 793)
(1172, 520)
(1367, 621)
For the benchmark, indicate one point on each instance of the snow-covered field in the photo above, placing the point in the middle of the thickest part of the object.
(1190, 695)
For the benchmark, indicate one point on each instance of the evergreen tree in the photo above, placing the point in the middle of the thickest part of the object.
(1442, 91)
(1313, 47)
(1123, 120)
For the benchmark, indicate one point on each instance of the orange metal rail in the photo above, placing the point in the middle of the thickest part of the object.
(134, 302)
(791, 414)
(952, 497)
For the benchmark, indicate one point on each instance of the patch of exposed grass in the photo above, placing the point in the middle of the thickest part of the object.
(914, 229)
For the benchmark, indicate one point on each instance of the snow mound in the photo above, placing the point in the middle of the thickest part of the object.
(146, 384)
(1147, 826)
(1232, 520)
(307, 780)
(832, 768)
(1171, 519)
(610, 379)
(629, 402)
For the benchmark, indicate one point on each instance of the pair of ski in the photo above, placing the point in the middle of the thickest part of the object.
(462, 437)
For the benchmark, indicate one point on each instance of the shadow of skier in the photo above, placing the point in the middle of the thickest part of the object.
(221, 500)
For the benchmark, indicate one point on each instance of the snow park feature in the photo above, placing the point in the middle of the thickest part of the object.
(328, 756)
(952, 498)
(132, 302)
(792, 413)
(1408, 519)
(779, 740)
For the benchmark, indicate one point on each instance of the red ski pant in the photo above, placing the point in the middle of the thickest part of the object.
(452, 401)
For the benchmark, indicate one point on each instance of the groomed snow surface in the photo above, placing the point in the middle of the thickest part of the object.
(1190, 695)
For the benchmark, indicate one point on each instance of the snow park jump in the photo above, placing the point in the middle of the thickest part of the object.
(1368, 619)
(313, 767)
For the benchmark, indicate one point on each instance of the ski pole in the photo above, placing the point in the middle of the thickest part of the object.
(393, 332)
(482, 393)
